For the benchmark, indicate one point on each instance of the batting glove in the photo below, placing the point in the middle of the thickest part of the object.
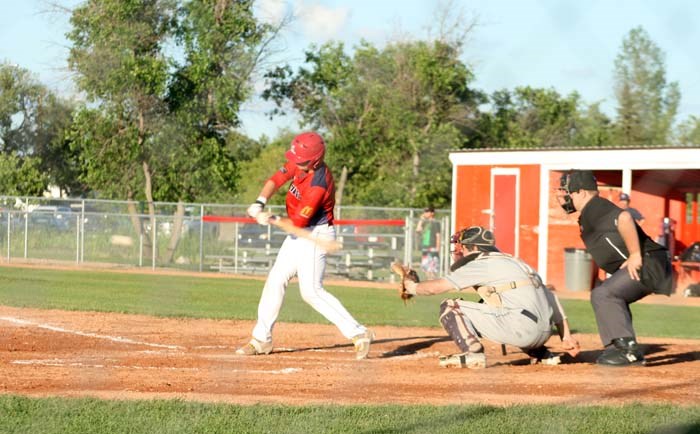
(255, 209)
(263, 218)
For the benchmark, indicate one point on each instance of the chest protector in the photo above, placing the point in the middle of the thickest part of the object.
(491, 294)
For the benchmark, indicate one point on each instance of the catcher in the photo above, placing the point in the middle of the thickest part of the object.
(516, 310)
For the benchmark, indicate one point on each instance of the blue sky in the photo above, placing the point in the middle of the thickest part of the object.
(564, 44)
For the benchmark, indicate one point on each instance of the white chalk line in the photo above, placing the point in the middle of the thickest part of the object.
(65, 363)
(86, 334)
(213, 347)
(61, 363)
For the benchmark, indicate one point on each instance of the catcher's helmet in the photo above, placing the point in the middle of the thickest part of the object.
(307, 147)
(476, 236)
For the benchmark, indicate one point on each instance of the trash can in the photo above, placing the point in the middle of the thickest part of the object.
(578, 268)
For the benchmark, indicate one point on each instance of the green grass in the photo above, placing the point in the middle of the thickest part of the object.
(52, 415)
(201, 297)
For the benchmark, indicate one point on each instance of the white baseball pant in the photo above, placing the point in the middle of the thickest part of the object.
(308, 261)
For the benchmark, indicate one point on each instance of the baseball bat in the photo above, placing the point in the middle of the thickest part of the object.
(286, 225)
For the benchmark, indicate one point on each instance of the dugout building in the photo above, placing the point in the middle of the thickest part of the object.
(513, 193)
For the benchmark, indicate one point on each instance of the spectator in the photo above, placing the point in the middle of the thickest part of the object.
(625, 204)
(428, 230)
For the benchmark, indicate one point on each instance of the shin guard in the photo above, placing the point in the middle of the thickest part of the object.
(458, 327)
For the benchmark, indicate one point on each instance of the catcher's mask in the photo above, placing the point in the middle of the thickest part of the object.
(573, 181)
(476, 236)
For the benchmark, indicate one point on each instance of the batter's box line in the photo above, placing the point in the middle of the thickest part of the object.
(65, 363)
(117, 339)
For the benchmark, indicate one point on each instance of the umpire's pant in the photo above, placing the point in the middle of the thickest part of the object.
(611, 302)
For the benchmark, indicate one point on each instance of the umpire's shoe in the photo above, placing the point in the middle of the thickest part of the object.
(362, 343)
(622, 352)
(464, 360)
(254, 348)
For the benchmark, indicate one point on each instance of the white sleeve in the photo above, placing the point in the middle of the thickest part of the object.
(468, 275)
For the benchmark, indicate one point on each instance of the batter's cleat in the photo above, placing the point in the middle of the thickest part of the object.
(362, 343)
(464, 360)
(543, 356)
(622, 352)
(255, 348)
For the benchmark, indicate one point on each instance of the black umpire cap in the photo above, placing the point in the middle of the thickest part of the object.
(576, 180)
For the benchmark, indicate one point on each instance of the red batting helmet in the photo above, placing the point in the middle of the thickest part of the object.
(307, 147)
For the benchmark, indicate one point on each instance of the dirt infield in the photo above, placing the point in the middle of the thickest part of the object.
(59, 353)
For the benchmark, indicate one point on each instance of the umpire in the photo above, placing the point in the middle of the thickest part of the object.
(637, 265)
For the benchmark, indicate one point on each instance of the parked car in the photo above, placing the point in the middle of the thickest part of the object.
(51, 216)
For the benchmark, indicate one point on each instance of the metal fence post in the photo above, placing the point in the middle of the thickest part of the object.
(26, 232)
(77, 239)
(201, 236)
(140, 249)
(82, 231)
(235, 248)
(370, 263)
(9, 232)
(154, 239)
(445, 247)
(408, 245)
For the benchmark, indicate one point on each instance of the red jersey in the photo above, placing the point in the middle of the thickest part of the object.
(311, 195)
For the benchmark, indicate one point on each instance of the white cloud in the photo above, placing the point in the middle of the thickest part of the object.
(271, 11)
(318, 22)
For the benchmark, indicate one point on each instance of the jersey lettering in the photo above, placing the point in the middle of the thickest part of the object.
(294, 191)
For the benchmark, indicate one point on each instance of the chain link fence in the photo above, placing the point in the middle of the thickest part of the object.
(175, 236)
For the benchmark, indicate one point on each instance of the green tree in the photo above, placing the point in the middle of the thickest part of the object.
(647, 103)
(119, 64)
(390, 116)
(163, 117)
(539, 118)
(258, 169)
(32, 125)
(21, 175)
(689, 132)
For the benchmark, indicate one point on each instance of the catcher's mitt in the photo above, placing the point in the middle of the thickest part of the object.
(405, 274)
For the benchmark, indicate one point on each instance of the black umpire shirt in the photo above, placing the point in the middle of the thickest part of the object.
(598, 224)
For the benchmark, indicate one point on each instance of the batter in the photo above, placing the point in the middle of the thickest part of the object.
(310, 201)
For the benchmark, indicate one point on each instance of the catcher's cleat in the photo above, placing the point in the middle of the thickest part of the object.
(254, 348)
(552, 360)
(622, 352)
(362, 343)
(464, 360)
(543, 356)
